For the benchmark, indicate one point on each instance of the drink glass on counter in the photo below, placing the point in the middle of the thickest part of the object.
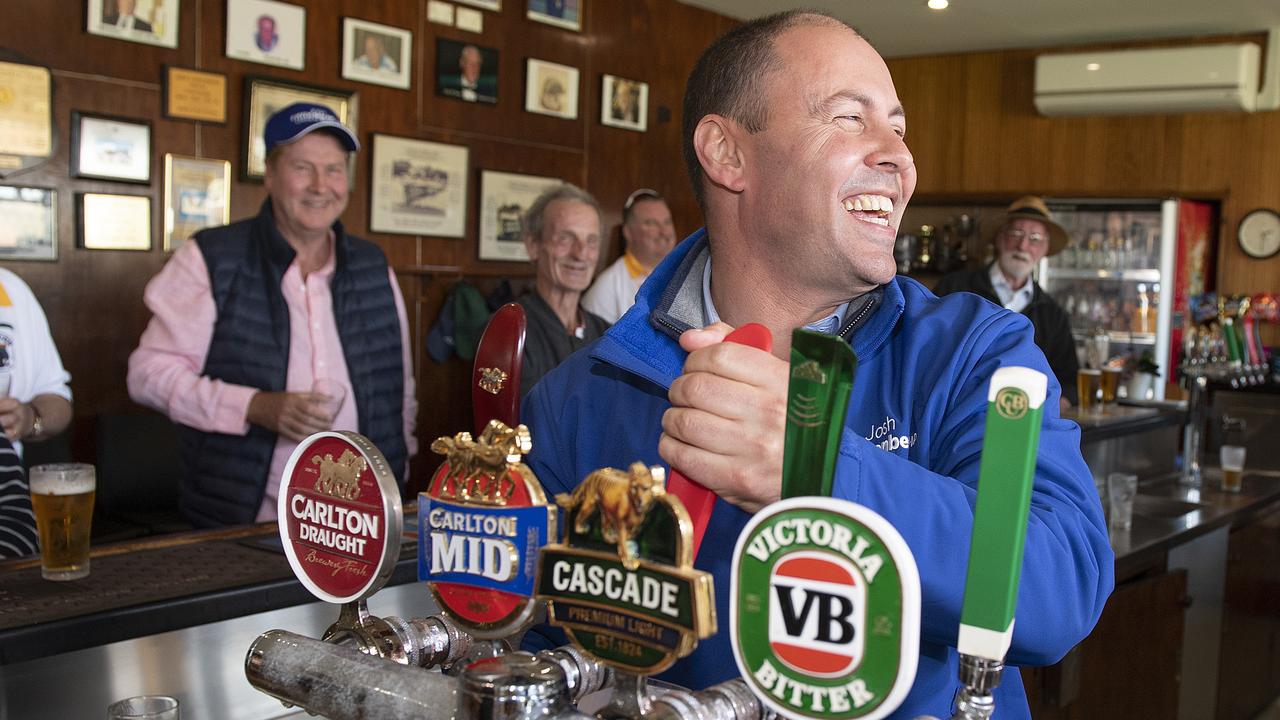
(1121, 487)
(1089, 387)
(1232, 458)
(1109, 383)
(144, 707)
(62, 497)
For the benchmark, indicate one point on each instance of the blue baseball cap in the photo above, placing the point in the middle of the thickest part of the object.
(295, 121)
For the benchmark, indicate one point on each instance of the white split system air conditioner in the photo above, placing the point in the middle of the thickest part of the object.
(1158, 80)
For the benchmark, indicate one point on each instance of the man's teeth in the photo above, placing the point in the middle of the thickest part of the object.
(869, 203)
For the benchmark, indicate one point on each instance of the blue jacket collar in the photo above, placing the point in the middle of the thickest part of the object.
(645, 340)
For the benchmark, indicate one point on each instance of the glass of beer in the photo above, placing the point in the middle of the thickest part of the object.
(62, 497)
(1232, 457)
(1110, 381)
(1089, 387)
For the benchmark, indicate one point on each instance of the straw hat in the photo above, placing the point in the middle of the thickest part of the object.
(1033, 208)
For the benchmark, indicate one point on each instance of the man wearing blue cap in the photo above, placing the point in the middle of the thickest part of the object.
(276, 327)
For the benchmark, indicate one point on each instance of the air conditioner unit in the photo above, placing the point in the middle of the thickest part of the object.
(1159, 80)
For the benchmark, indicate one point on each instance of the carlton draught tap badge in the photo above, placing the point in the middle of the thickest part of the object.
(825, 610)
(481, 524)
(622, 583)
(340, 516)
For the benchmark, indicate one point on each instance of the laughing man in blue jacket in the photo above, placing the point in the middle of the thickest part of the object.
(793, 137)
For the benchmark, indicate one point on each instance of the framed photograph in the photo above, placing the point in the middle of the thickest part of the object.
(191, 94)
(154, 22)
(264, 96)
(551, 89)
(110, 148)
(494, 5)
(417, 187)
(26, 116)
(466, 71)
(197, 195)
(566, 14)
(378, 54)
(30, 227)
(268, 32)
(504, 197)
(624, 103)
(114, 222)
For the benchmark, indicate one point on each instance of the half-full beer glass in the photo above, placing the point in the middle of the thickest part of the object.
(62, 497)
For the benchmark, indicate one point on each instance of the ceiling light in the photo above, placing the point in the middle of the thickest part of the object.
(1092, 66)
(938, 4)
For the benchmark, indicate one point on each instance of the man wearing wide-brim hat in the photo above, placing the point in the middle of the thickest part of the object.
(1028, 234)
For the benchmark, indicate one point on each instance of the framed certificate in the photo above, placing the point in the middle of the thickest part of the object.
(264, 96)
(114, 222)
(30, 227)
(26, 116)
(418, 187)
(504, 197)
(195, 95)
(197, 195)
(110, 148)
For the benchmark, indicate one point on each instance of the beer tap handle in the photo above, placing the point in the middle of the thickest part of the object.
(1015, 405)
(697, 499)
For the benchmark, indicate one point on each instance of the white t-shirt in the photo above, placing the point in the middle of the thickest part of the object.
(28, 358)
(614, 291)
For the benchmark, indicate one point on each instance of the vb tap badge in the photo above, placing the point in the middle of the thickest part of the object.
(340, 516)
(622, 583)
(825, 610)
(481, 524)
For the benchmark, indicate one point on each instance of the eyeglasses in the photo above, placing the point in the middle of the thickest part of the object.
(1017, 236)
(641, 194)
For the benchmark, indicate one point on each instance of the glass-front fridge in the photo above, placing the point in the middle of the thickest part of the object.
(1128, 272)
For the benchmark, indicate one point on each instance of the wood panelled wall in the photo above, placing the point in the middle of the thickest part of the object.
(974, 131)
(94, 298)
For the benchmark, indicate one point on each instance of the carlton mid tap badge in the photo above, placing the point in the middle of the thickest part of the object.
(340, 516)
(825, 610)
(481, 524)
(622, 584)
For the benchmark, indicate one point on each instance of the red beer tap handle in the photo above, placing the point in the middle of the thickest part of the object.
(495, 375)
(698, 500)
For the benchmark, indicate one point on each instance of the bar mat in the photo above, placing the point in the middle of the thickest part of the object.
(135, 578)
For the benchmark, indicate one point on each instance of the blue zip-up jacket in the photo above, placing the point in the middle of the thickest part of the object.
(910, 450)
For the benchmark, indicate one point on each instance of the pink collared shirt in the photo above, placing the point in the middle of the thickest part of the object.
(164, 372)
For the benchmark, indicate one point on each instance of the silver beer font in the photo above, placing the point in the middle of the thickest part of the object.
(433, 641)
(341, 682)
(515, 686)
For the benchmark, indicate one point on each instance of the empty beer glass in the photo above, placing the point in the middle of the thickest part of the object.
(62, 497)
(144, 707)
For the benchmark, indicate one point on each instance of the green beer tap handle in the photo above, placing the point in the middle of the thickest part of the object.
(1015, 405)
(822, 369)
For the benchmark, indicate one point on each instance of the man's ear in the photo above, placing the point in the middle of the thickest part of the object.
(530, 246)
(716, 140)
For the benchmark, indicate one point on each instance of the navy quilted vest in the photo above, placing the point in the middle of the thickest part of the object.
(226, 475)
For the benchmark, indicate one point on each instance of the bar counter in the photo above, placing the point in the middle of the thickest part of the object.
(206, 594)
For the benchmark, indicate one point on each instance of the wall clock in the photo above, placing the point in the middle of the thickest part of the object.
(1259, 233)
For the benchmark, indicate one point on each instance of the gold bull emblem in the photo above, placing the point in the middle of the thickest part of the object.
(623, 499)
(478, 469)
(340, 478)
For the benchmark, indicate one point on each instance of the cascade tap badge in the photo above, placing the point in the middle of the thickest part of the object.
(825, 610)
(340, 516)
(622, 584)
(481, 524)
